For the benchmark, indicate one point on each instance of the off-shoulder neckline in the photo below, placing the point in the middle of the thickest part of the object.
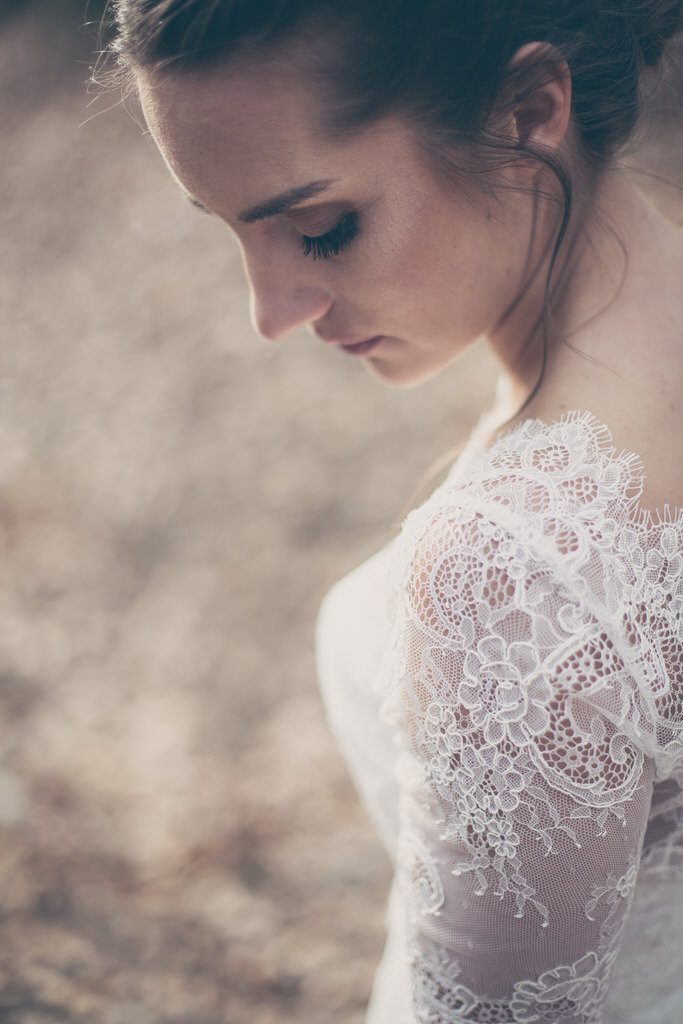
(641, 518)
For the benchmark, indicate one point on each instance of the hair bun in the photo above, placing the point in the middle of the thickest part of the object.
(654, 22)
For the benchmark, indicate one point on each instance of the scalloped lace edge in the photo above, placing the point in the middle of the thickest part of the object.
(600, 433)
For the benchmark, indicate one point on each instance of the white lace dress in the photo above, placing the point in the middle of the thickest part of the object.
(505, 681)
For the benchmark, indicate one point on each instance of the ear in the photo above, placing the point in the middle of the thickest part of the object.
(540, 95)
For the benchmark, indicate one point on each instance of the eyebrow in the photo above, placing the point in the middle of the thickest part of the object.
(280, 203)
(285, 200)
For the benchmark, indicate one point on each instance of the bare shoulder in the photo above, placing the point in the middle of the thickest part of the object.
(649, 424)
(626, 369)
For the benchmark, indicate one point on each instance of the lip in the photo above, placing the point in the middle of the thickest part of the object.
(361, 347)
(346, 341)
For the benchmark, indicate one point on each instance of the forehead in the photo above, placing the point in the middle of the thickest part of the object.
(251, 110)
(251, 130)
(226, 98)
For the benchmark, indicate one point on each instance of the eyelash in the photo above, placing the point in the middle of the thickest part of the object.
(332, 242)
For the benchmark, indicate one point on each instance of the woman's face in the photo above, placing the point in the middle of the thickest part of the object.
(414, 263)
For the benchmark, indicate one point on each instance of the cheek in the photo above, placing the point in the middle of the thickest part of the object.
(403, 256)
(452, 275)
(430, 269)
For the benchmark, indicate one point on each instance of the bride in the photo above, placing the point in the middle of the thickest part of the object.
(405, 179)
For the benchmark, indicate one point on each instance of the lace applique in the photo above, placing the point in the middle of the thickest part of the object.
(534, 680)
(418, 878)
(563, 489)
(438, 995)
(494, 732)
(562, 493)
(572, 993)
(613, 891)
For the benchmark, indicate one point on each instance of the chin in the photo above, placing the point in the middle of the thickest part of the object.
(400, 377)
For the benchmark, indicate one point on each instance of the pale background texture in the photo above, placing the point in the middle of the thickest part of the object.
(179, 840)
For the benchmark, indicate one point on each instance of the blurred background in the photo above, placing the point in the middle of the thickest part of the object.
(179, 839)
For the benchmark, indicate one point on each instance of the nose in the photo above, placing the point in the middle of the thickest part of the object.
(278, 307)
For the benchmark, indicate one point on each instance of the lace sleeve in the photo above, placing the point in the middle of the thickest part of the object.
(522, 807)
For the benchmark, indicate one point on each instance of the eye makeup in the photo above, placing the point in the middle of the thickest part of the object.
(333, 241)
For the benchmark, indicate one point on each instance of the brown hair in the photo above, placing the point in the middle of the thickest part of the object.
(444, 63)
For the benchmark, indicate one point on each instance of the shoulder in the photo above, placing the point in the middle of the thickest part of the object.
(533, 560)
(549, 491)
(560, 489)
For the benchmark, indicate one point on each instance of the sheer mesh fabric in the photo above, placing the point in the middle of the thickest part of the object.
(532, 679)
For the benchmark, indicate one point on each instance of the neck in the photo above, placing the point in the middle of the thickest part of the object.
(616, 260)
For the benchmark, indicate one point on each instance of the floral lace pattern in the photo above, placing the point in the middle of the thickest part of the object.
(570, 994)
(534, 677)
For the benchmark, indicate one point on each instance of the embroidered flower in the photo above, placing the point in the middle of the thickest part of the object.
(501, 836)
(488, 780)
(504, 692)
(614, 890)
(472, 813)
(532, 584)
(564, 994)
(443, 741)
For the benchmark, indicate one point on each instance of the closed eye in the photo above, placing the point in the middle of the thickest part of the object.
(333, 241)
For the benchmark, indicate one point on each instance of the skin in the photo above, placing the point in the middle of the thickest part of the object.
(432, 271)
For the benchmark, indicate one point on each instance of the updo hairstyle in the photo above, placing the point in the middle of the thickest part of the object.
(443, 64)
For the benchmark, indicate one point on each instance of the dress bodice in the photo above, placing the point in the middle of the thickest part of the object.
(505, 680)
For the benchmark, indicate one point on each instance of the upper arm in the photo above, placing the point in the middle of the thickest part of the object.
(523, 807)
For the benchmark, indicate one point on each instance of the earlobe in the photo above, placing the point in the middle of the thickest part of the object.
(541, 101)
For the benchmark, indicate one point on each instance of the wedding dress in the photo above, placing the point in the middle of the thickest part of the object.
(504, 679)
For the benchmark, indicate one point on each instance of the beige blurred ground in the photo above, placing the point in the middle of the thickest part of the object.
(180, 841)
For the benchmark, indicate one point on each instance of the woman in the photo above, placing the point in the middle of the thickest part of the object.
(505, 676)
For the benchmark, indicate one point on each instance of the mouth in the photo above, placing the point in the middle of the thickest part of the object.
(361, 347)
